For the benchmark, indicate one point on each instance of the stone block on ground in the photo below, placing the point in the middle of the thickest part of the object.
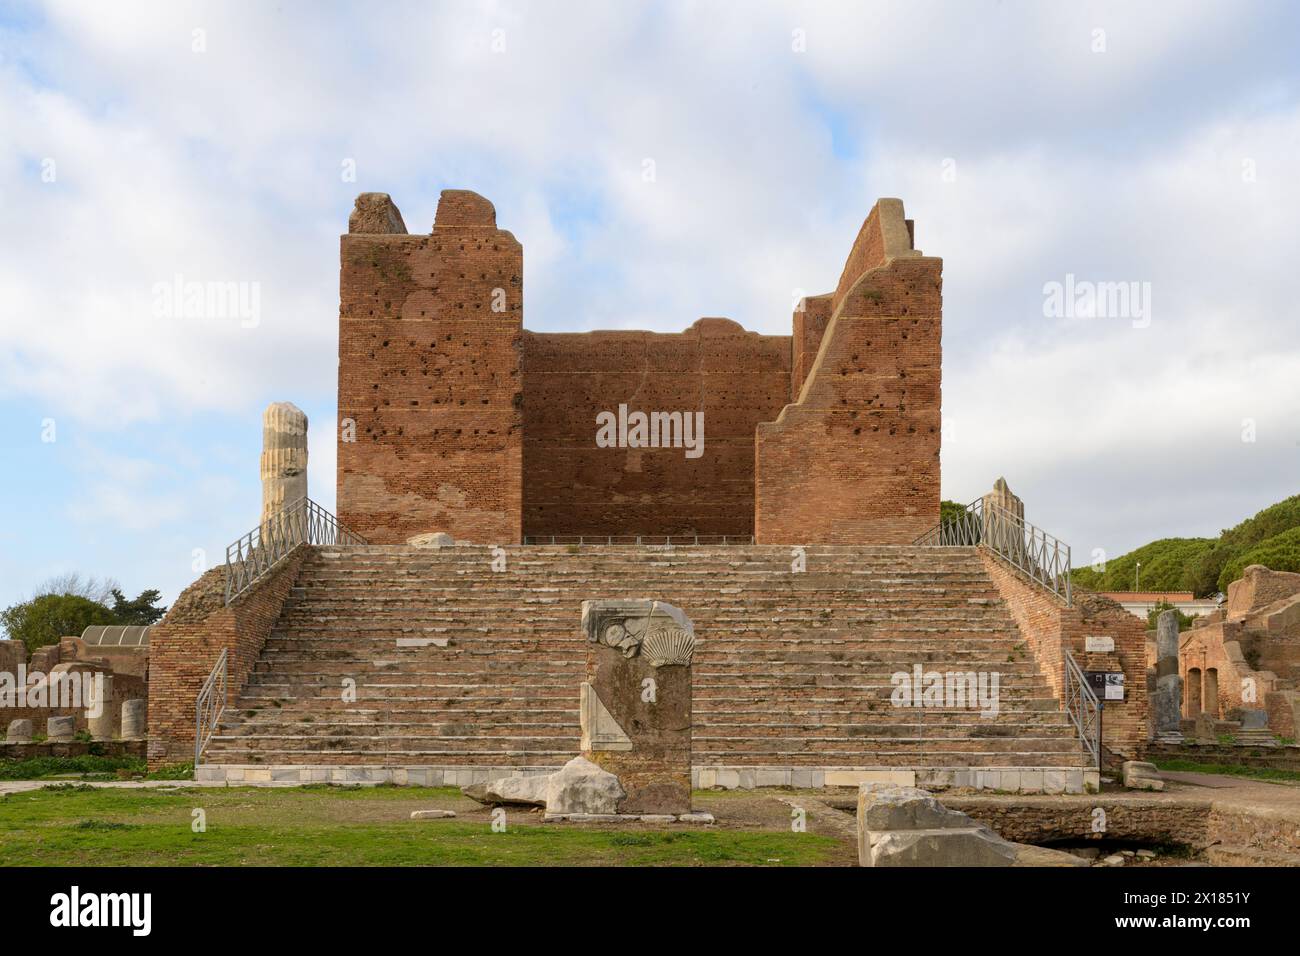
(60, 728)
(20, 732)
(511, 791)
(1140, 775)
(911, 828)
(581, 786)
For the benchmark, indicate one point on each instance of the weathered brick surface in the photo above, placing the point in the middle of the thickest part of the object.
(1041, 820)
(856, 458)
(185, 645)
(1051, 628)
(571, 486)
(810, 323)
(465, 423)
(429, 348)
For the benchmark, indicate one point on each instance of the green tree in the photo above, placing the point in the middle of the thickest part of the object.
(950, 511)
(45, 619)
(1278, 553)
(139, 611)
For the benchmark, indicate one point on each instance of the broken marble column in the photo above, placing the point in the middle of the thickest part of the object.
(1169, 684)
(635, 705)
(60, 729)
(133, 718)
(1004, 521)
(284, 459)
(1001, 497)
(99, 703)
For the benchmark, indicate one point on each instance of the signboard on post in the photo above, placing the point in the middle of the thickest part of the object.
(1107, 685)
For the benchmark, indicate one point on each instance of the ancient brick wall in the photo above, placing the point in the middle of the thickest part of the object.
(1050, 629)
(572, 486)
(454, 419)
(810, 323)
(856, 458)
(184, 647)
(429, 351)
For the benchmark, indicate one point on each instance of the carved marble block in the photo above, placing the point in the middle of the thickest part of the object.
(636, 701)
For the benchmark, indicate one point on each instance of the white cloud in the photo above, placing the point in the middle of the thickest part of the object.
(225, 165)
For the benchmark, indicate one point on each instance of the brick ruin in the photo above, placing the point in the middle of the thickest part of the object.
(1246, 655)
(455, 418)
(459, 429)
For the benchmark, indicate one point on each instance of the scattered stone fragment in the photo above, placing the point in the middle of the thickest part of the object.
(59, 729)
(905, 826)
(696, 817)
(1140, 775)
(432, 814)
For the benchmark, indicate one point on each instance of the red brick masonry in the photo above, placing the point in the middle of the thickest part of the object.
(455, 419)
(185, 645)
(1051, 628)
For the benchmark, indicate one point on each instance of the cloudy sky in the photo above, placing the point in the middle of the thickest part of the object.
(1154, 144)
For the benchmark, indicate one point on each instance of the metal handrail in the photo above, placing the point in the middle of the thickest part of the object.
(257, 552)
(1084, 708)
(1044, 558)
(210, 705)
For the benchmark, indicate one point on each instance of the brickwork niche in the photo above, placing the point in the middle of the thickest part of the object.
(455, 418)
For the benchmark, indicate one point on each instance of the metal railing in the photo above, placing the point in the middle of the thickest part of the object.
(256, 553)
(1043, 558)
(210, 705)
(639, 539)
(1084, 708)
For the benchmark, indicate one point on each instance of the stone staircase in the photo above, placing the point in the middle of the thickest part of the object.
(462, 672)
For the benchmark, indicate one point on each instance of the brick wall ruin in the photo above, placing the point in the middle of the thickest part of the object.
(185, 644)
(855, 459)
(1051, 628)
(455, 419)
(571, 486)
(430, 330)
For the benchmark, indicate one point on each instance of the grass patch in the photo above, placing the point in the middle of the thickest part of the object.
(72, 824)
(1230, 770)
(38, 768)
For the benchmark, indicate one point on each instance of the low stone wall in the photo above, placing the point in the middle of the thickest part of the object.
(1047, 821)
(1231, 835)
(73, 748)
(1279, 758)
(185, 645)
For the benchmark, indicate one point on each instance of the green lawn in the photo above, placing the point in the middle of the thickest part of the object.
(332, 826)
